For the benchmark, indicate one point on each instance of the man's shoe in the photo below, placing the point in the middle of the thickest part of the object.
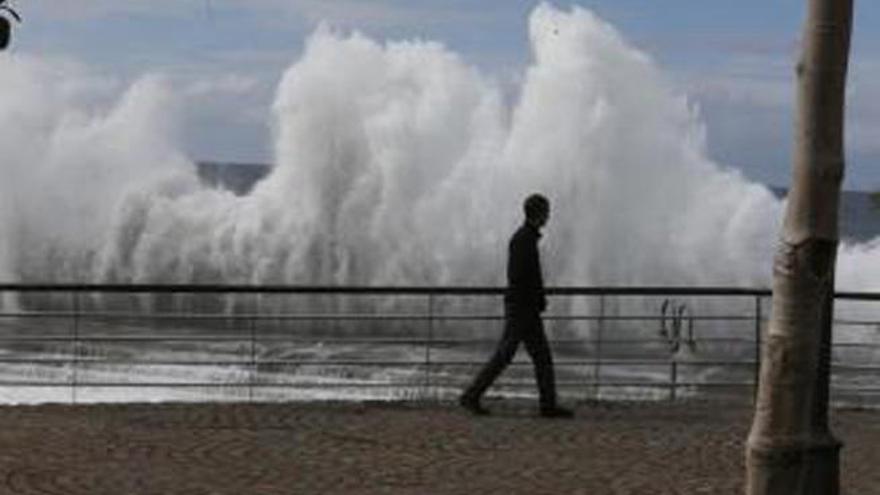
(473, 406)
(557, 412)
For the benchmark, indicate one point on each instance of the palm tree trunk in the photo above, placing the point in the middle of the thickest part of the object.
(790, 449)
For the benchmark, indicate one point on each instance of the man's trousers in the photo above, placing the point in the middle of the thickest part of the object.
(528, 328)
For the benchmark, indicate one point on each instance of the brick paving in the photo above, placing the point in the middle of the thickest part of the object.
(372, 448)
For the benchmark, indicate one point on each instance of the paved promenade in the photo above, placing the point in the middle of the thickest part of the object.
(638, 448)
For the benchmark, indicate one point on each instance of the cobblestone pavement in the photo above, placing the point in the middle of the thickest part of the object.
(348, 448)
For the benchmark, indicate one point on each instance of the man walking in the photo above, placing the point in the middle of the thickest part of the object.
(523, 305)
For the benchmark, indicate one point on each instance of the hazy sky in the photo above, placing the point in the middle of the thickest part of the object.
(733, 59)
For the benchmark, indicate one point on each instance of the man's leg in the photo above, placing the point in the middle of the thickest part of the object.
(503, 355)
(539, 350)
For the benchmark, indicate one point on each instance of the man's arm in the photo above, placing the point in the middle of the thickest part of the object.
(542, 296)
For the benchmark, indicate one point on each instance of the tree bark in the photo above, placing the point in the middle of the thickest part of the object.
(790, 449)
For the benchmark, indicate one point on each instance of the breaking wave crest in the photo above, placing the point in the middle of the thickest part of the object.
(395, 163)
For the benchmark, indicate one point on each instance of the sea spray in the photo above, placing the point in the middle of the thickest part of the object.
(396, 163)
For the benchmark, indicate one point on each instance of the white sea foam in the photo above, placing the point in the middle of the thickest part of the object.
(396, 163)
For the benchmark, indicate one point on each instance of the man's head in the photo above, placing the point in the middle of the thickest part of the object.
(537, 210)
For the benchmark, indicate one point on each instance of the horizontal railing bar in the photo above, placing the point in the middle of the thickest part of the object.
(131, 338)
(681, 384)
(861, 345)
(319, 316)
(110, 340)
(654, 384)
(697, 340)
(400, 290)
(326, 341)
(342, 340)
(507, 384)
(436, 363)
(846, 322)
(379, 290)
(87, 384)
(392, 341)
(857, 296)
(98, 315)
(243, 384)
(123, 362)
(269, 362)
(368, 317)
(658, 384)
(282, 339)
(340, 384)
(260, 339)
(103, 315)
(855, 367)
(398, 385)
(354, 362)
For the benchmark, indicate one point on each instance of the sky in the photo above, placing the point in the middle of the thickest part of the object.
(733, 60)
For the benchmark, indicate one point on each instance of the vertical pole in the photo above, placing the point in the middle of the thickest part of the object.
(597, 359)
(758, 318)
(673, 378)
(428, 344)
(75, 347)
(253, 364)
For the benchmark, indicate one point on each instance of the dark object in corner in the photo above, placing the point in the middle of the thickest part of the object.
(5, 25)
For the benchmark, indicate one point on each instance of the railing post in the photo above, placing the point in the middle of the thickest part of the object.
(673, 378)
(75, 348)
(428, 344)
(597, 358)
(253, 363)
(758, 340)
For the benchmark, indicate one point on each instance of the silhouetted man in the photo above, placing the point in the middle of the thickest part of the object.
(523, 305)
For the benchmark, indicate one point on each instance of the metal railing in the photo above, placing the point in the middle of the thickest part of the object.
(259, 350)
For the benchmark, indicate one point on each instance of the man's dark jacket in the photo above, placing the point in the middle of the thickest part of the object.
(525, 284)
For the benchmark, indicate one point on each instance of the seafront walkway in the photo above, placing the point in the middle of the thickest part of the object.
(394, 448)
